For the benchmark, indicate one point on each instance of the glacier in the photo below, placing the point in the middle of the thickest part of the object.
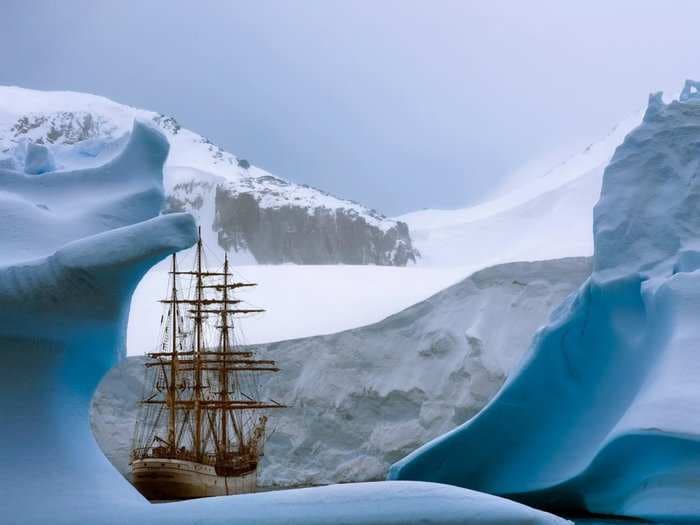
(75, 244)
(603, 413)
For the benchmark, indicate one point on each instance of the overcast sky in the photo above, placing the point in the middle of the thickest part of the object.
(399, 105)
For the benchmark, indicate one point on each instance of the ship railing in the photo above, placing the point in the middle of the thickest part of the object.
(163, 452)
(234, 463)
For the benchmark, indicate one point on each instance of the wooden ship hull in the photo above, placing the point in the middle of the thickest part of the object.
(174, 479)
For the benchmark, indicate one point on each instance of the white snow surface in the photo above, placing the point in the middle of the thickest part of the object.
(301, 301)
(537, 215)
(385, 503)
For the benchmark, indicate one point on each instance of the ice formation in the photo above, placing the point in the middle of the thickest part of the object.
(75, 244)
(361, 399)
(38, 160)
(604, 412)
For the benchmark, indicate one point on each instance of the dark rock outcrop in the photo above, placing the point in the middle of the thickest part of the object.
(306, 235)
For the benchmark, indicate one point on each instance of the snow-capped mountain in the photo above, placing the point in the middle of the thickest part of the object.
(243, 209)
(538, 214)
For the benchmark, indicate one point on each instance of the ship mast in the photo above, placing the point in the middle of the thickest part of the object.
(223, 374)
(172, 385)
(219, 424)
(198, 353)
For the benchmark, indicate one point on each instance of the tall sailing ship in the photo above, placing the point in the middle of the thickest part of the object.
(202, 425)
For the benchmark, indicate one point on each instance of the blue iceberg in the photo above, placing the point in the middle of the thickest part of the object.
(75, 243)
(604, 412)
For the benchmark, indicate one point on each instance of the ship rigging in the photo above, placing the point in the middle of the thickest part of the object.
(202, 425)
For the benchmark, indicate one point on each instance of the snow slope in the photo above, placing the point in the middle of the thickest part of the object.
(361, 399)
(537, 216)
(63, 326)
(603, 414)
(301, 300)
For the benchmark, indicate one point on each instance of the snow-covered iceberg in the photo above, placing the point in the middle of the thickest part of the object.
(604, 413)
(74, 246)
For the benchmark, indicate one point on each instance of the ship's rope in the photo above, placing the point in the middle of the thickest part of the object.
(242, 385)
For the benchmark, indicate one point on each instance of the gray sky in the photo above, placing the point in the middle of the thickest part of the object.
(399, 105)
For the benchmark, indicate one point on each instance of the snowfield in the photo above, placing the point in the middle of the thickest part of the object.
(301, 300)
(536, 216)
